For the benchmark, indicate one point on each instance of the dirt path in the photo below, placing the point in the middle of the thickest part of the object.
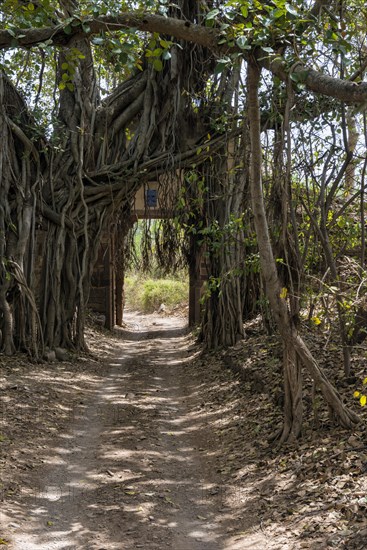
(137, 468)
(149, 444)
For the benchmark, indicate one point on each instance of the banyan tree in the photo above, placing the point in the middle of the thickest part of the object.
(97, 98)
(72, 180)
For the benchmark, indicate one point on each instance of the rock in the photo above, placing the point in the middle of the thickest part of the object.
(162, 308)
(61, 354)
(50, 355)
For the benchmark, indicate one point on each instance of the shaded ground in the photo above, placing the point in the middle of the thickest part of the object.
(132, 463)
(148, 444)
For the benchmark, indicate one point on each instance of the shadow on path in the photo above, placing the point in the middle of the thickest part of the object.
(137, 468)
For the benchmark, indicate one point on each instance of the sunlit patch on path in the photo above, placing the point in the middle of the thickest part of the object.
(136, 468)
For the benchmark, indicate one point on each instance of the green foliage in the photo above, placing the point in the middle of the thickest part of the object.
(157, 51)
(36, 71)
(211, 286)
(148, 294)
(118, 54)
(157, 247)
(250, 24)
(68, 68)
(17, 14)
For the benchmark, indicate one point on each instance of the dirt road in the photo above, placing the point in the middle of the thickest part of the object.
(136, 468)
(148, 444)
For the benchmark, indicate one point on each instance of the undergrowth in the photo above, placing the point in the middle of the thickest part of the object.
(147, 294)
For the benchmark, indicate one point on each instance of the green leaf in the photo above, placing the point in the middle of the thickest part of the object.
(290, 9)
(30, 6)
(158, 65)
(65, 66)
(67, 29)
(278, 13)
(242, 43)
(220, 68)
(213, 14)
(303, 75)
(165, 44)
(98, 40)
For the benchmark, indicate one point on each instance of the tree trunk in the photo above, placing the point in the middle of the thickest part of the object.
(222, 324)
(293, 344)
(19, 169)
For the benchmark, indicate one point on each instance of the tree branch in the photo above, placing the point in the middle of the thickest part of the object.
(315, 81)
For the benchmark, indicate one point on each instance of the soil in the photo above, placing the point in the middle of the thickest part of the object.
(147, 443)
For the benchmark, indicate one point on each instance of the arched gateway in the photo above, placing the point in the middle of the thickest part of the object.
(106, 295)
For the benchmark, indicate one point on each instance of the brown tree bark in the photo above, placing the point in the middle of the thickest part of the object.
(293, 343)
(92, 175)
(222, 323)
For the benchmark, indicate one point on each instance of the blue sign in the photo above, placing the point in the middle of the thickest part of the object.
(151, 198)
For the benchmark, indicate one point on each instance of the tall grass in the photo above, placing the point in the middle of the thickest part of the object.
(147, 294)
